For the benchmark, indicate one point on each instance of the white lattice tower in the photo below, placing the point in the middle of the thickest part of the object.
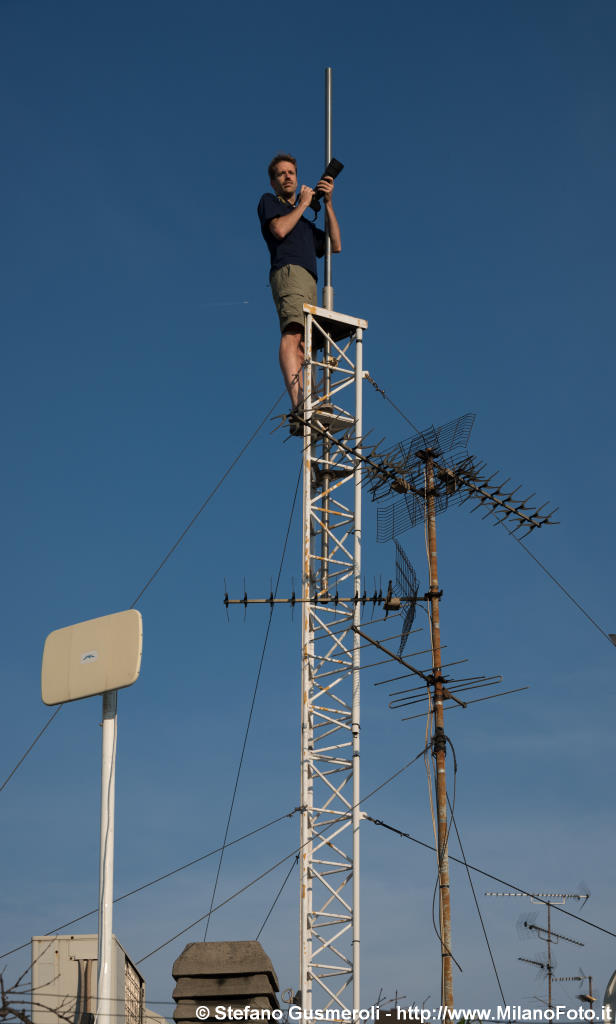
(329, 858)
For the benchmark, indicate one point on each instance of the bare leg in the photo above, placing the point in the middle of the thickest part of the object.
(291, 361)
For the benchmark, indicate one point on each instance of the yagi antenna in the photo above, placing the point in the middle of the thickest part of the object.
(458, 478)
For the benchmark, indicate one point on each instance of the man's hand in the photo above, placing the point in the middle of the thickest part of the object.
(326, 187)
(305, 197)
(280, 226)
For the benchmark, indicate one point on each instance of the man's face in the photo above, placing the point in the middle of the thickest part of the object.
(284, 179)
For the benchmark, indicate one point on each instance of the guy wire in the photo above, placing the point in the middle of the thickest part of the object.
(388, 399)
(208, 499)
(493, 878)
(34, 741)
(470, 880)
(160, 878)
(558, 584)
(292, 853)
(156, 572)
(277, 896)
(254, 697)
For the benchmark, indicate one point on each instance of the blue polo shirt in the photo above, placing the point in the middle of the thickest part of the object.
(300, 247)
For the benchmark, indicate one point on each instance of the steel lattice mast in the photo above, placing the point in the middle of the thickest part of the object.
(330, 708)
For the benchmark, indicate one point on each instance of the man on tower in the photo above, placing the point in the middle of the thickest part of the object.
(294, 244)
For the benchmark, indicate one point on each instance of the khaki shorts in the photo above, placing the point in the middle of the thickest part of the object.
(292, 286)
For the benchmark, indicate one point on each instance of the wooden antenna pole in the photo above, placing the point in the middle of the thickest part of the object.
(439, 747)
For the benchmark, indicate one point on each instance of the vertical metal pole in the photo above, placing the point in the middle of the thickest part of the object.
(328, 291)
(104, 1011)
(359, 376)
(439, 747)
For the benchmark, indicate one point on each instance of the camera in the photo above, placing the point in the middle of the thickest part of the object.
(331, 171)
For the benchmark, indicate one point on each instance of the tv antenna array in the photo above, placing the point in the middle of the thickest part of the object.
(528, 924)
(432, 471)
(456, 479)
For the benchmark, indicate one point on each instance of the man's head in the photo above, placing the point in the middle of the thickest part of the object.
(283, 175)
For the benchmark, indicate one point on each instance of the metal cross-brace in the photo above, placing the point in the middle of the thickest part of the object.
(331, 549)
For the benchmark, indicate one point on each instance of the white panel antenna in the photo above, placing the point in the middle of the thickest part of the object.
(92, 657)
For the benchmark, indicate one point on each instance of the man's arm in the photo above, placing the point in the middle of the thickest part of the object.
(281, 226)
(326, 186)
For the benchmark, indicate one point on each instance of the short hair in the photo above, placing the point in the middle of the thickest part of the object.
(278, 160)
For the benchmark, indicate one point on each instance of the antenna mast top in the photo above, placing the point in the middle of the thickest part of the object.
(328, 291)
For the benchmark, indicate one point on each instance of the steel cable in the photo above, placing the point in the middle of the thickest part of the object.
(208, 499)
(470, 880)
(493, 878)
(254, 697)
(34, 741)
(293, 853)
(559, 584)
(156, 572)
(277, 896)
(160, 878)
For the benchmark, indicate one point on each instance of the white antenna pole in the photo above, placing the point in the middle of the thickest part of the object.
(328, 291)
(105, 993)
(99, 656)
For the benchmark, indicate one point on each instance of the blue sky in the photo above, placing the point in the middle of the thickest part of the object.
(140, 353)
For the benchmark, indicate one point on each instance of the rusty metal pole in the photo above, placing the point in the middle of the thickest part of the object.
(439, 749)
